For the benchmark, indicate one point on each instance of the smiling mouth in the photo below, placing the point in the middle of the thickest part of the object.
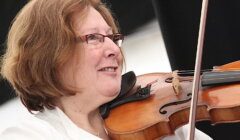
(109, 69)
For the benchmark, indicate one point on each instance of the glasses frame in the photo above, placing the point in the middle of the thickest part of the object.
(117, 38)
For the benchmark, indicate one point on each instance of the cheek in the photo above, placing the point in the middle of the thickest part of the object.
(90, 56)
(85, 70)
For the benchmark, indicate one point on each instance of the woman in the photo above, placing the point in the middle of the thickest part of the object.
(64, 61)
(60, 54)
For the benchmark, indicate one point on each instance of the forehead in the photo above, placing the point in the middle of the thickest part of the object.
(91, 21)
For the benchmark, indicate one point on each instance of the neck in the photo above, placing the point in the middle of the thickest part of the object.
(84, 115)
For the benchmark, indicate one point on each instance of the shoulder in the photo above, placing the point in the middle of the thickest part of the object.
(28, 129)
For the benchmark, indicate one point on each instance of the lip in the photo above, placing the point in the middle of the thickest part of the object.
(108, 69)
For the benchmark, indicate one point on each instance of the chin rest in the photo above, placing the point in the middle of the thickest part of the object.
(127, 83)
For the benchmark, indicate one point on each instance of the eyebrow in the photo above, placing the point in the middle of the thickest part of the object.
(94, 30)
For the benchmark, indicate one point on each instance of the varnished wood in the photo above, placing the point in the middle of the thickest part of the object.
(141, 120)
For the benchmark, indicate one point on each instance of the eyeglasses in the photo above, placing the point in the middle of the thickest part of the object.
(96, 38)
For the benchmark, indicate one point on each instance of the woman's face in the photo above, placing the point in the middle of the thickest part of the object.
(95, 68)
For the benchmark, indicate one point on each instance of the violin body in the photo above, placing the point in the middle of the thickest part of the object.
(165, 110)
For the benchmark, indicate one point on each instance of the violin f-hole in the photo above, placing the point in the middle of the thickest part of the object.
(189, 97)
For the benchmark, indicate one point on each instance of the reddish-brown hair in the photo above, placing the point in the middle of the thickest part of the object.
(41, 39)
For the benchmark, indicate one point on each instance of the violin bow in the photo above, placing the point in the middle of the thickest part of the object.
(196, 78)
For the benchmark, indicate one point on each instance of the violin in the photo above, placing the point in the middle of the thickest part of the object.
(167, 107)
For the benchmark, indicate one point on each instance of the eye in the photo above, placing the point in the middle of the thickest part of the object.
(92, 37)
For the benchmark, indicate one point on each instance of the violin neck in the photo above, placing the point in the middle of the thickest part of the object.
(219, 78)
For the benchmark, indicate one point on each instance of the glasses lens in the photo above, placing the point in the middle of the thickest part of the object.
(118, 39)
(118, 43)
(97, 38)
(94, 38)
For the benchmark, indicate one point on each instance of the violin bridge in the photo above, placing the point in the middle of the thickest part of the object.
(176, 82)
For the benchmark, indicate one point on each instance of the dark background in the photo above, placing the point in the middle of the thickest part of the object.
(8, 10)
(179, 22)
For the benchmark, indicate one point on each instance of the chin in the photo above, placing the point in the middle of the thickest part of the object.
(111, 92)
(111, 89)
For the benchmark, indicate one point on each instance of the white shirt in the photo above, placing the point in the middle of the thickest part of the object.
(47, 125)
(55, 125)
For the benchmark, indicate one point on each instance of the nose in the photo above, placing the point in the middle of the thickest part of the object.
(112, 49)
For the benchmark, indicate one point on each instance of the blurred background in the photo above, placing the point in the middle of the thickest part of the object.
(161, 36)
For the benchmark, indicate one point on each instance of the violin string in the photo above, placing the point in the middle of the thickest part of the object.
(221, 73)
(227, 75)
(192, 71)
(206, 70)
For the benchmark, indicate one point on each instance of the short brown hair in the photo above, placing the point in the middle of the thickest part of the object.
(40, 40)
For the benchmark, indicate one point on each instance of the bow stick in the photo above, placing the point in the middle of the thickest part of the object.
(197, 71)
